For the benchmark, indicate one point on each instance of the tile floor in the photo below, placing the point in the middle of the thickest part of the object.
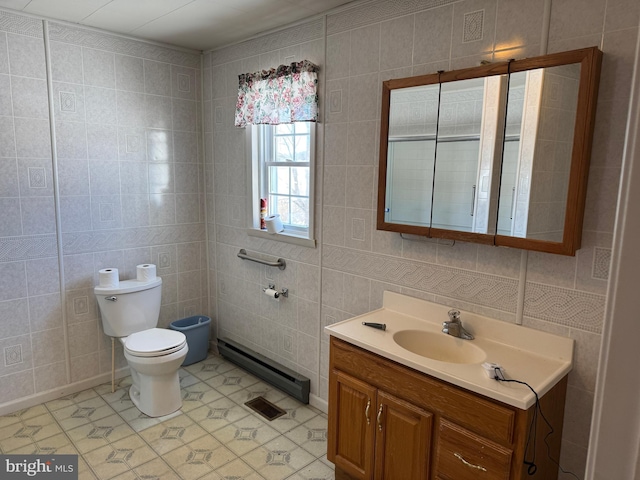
(213, 437)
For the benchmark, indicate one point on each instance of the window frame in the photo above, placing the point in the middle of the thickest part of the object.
(259, 140)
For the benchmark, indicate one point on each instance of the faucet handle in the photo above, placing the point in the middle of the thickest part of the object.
(454, 315)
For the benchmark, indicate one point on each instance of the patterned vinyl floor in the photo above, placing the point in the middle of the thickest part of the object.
(213, 437)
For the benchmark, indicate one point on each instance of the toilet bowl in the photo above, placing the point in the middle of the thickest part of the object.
(154, 357)
(130, 312)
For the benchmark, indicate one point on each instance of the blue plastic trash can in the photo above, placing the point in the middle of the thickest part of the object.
(196, 329)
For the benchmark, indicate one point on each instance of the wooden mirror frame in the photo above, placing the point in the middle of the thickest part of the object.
(590, 60)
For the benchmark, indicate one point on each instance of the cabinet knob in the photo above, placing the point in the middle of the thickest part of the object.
(471, 465)
(366, 412)
(380, 418)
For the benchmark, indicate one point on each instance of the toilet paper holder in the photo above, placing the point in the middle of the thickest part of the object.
(284, 292)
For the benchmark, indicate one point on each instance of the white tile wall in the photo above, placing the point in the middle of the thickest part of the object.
(363, 44)
(103, 117)
(132, 186)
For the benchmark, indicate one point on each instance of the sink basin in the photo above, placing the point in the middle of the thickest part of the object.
(439, 346)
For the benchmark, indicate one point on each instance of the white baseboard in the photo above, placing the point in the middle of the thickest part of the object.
(47, 396)
(318, 403)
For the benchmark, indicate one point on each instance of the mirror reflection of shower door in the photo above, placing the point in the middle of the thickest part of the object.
(413, 118)
(409, 182)
(457, 154)
(508, 187)
(455, 192)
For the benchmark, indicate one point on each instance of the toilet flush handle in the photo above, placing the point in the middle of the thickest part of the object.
(112, 299)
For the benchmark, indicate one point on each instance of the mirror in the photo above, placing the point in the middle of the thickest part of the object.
(468, 128)
(411, 154)
(536, 162)
(496, 154)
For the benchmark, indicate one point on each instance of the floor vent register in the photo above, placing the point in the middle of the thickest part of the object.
(265, 408)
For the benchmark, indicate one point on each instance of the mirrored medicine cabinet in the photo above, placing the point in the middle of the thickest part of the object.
(496, 154)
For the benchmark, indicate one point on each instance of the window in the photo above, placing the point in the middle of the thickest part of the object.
(282, 173)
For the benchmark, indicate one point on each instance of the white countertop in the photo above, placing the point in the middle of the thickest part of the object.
(538, 358)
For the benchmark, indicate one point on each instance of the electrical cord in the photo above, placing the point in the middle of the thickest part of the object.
(533, 428)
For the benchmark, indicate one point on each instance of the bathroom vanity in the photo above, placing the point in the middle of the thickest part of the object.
(396, 413)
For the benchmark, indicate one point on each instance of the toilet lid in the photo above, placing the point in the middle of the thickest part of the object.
(154, 342)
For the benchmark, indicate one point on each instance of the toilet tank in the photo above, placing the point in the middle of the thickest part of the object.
(130, 307)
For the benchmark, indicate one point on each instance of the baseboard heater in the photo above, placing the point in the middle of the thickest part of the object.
(272, 372)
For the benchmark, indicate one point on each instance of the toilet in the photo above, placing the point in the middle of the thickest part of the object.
(130, 312)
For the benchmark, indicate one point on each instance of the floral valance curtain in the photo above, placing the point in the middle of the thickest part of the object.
(285, 94)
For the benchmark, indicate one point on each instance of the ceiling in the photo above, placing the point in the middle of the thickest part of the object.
(197, 24)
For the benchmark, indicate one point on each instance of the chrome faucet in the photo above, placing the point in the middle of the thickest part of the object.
(454, 326)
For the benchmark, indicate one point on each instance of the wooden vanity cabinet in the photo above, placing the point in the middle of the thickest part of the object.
(352, 436)
(388, 421)
(378, 435)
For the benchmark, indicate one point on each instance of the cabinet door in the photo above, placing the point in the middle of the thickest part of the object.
(351, 425)
(403, 439)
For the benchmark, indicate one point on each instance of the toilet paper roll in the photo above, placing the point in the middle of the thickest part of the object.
(146, 272)
(274, 224)
(108, 278)
(271, 293)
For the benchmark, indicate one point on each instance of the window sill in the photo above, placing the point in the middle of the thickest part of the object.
(283, 237)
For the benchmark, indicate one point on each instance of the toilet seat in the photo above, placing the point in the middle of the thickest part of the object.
(154, 342)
